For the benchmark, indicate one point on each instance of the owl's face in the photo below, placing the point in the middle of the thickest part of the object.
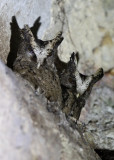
(39, 50)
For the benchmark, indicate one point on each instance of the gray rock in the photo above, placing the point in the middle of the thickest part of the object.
(100, 119)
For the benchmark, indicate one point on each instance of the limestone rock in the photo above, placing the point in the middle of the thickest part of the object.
(99, 121)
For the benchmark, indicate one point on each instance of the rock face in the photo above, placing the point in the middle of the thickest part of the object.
(27, 130)
(100, 118)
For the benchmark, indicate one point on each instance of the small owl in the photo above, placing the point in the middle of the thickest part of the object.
(62, 84)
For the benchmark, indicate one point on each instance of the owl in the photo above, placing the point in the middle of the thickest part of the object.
(64, 87)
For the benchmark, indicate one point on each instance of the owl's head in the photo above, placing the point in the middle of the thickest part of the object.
(37, 50)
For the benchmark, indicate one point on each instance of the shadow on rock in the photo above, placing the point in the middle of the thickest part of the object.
(15, 39)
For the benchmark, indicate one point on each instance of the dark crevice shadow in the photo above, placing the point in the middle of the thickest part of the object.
(14, 42)
(105, 154)
(15, 39)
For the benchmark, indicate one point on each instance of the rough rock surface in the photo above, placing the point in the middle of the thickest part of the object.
(100, 118)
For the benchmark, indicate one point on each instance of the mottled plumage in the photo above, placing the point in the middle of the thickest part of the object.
(38, 62)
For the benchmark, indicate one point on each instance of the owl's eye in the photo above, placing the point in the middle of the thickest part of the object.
(49, 51)
(34, 58)
(31, 55)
